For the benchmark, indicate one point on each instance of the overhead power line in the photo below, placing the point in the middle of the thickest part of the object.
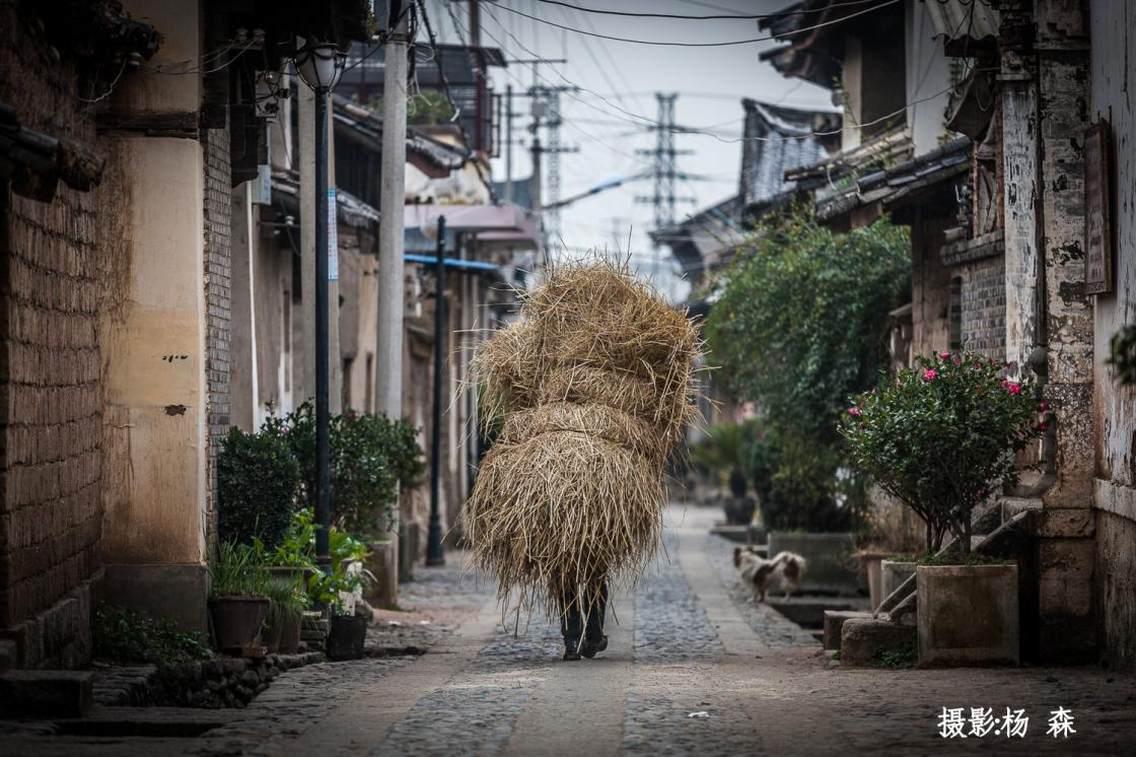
(710, 17)
(679, 43)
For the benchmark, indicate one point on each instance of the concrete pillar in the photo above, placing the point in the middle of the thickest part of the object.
(152, 329)
(243, 388)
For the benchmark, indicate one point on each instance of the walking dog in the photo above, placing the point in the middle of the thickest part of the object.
(784, 570)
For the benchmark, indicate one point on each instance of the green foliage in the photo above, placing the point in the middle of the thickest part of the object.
(723, 451)
(428, 108)
(1122, 355)
(257, 480)
(901, 657)
(370, 456)
(802, 320)
(941, 438)
(297, 549)
(126, 637)
(802, 485)
(236, 571)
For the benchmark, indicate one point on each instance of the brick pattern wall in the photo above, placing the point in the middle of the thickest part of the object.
(50, 383)
(218, 296)
(983, 307)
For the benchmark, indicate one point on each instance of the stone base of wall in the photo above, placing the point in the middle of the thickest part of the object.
(60, 636)
(220, 682)
(177, 592)
(1116, 588)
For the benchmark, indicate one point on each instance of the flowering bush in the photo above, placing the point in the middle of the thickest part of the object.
(941, 438)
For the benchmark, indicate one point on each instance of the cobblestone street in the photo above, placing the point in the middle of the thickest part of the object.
(693, 667)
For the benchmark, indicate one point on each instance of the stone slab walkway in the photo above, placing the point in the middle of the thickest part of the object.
(694, 667)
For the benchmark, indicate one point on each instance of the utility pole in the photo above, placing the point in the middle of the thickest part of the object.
(508, 143)
(388, 369)
(546, 103)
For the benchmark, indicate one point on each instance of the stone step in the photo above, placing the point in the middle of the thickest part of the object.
(833, 621)
(863, 640)
(808, 610)
(46, 693)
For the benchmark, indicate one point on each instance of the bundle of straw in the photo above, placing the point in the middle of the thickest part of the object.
(593, 388)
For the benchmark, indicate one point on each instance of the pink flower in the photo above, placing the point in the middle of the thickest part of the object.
(930, 374)
(945, 355)
(1013, 387)
(855, 411)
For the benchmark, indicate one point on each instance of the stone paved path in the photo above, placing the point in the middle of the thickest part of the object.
(688, 640)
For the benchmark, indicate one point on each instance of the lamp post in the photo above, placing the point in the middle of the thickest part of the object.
(434, 553)
(320, 65)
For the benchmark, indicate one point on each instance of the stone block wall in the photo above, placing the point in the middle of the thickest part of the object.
(50, 384)
(983, 307)
(218, 295)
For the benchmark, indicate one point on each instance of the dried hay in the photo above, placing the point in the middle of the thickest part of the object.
(599, 421)
(594, 384)
(562, 510)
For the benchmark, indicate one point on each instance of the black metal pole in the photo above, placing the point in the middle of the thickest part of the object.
(434, 553)
(323, 421)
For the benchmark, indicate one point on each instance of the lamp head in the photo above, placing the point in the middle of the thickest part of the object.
(319, 64)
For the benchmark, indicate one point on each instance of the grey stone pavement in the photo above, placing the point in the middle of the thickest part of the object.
(693, 667)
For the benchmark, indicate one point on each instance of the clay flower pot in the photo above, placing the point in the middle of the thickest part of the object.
(237, 621)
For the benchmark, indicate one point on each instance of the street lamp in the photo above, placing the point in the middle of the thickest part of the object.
(320, 65)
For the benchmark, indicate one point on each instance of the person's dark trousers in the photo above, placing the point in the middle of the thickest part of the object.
(588, 606)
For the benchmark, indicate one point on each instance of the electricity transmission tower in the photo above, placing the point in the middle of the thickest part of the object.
(664, 171)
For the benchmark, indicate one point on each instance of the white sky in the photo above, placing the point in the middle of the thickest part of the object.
(710, 82)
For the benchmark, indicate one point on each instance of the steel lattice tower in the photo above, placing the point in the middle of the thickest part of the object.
(664, 170)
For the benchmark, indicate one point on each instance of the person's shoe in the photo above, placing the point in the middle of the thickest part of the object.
(591, 648)
(572, 652)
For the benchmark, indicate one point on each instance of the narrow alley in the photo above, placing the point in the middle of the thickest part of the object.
(694, 667)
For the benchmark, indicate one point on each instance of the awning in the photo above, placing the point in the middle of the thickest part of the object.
(513, 221)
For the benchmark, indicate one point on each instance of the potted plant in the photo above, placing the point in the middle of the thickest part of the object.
(282, 625)
(238, 600)
(347, 630)
(941, 437)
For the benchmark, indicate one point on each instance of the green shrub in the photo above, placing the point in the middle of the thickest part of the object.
(941, 437)
(370, 456)
(257, 482)
(126, 637)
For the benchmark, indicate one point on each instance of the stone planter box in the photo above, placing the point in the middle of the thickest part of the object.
(892, 575)
(968, 615)
(830, 569)
(383, 564)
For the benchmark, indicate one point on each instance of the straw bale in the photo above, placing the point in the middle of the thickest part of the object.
(594, 385)
(593, 420)
(563, 510)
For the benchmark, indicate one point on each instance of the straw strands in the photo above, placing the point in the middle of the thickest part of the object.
(593, 389)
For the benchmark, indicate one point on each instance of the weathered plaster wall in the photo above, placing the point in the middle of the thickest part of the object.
(927, 79)
(154, 337)
(1113, 57)
(930, 288)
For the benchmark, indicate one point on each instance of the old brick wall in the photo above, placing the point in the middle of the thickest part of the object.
(983, 307)
(218, 269)
(50, 387)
